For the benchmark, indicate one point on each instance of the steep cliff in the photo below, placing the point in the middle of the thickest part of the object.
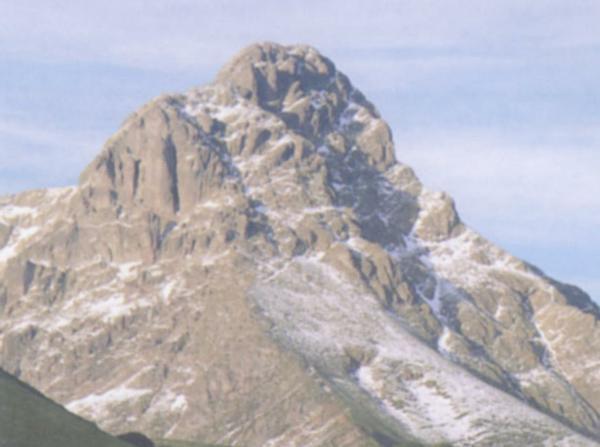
(247, 263)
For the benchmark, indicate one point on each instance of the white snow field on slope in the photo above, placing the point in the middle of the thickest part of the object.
(321, 315)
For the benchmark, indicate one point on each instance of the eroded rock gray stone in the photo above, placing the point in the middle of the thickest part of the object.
(142, 298)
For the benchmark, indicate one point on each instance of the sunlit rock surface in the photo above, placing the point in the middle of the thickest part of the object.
(248, 264)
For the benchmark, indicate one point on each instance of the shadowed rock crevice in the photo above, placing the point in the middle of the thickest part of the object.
(170, 157)
(136, 439)
(136, 177)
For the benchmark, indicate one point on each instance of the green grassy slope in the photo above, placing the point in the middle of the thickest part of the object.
(173, 443)
(28, 419)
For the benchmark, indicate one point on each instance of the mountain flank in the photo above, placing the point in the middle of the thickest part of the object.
(249, 264)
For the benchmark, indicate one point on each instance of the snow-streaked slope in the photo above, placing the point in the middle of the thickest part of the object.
(19, 223)
(321, 314)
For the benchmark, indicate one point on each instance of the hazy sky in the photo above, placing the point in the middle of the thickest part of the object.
(496, 102)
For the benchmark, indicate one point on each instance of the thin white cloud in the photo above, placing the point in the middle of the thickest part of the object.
(36, 134)
(378, 72)
(499, 179)
(195, 34)
(34, 156)
(541, 202)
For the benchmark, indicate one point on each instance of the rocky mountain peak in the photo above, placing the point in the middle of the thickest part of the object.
(299, 85)
(247, 263)
(273, 100)
(268, 73)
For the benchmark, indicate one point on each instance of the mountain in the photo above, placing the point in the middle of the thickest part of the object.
(249, 264)
(28, 419)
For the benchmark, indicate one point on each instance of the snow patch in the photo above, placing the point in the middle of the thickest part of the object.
(97, 406)
(19, 237)
(435, 398)
(126, 271)
(11, 212)
(167, 289)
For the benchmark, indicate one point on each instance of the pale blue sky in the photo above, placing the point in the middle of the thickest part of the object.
(497, 103)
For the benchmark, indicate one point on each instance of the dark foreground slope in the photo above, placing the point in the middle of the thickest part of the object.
(28, 419)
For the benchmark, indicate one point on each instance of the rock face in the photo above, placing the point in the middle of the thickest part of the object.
(248, 264)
